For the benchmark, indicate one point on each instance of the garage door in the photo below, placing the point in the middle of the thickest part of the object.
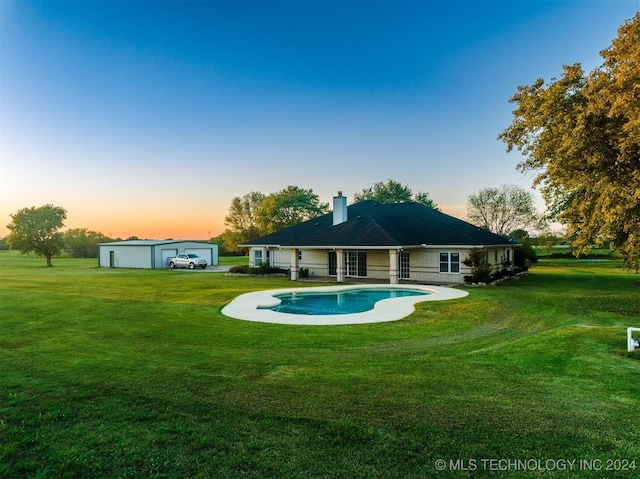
(166, 254)
(202, 252)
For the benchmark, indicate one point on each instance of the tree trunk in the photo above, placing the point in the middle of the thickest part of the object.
(49, 260)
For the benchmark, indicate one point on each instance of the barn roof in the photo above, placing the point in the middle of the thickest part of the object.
(148, 242)
(372, 224)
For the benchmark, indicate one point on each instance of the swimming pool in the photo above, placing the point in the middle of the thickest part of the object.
(337, 302)
(259, 305)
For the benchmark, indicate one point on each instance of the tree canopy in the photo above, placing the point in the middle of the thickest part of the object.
(581, 133)
(288, 207)
(37, 230)
(256, 214)
(82, 243)
(393, 192)
(503, 210)
(241, 220)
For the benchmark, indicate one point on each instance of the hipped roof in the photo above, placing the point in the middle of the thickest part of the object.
(376, 225)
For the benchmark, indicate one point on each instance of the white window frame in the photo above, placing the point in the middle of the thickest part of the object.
(257, 253)
(449, 262)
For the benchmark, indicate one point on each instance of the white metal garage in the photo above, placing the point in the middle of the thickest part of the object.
(152, 254)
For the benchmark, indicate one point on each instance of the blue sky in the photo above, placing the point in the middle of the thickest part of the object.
(147, 118)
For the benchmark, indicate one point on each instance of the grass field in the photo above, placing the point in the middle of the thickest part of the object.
(108, 373)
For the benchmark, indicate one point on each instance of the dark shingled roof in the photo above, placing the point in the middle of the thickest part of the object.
(373, 224)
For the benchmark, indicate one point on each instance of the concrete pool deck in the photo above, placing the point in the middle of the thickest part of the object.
(245, 306)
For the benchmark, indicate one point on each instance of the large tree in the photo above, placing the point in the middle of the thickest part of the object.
(256, 214)
(288, 207)
(242, 220)
(581, 133)
(393, 192)
(503, 210)
(37, 230)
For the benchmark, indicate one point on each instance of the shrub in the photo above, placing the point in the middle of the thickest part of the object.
(261, 270)
(480, 268)
(524, 255)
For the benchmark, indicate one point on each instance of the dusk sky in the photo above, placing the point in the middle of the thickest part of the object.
(147, 118)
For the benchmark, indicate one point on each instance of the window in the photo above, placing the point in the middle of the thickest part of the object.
(299, 255)
(257, 257)
(450, 263)
(333, 263)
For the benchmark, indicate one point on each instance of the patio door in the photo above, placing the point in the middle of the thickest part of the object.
(356, 263)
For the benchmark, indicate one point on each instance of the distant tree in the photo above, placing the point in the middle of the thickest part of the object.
(519, 235)
(82, 243)
(548, 240)
(581, 133)
(3, 244)
(503, 210)
(36, 230)
(288, 207)
(393, 192)
(423, 199)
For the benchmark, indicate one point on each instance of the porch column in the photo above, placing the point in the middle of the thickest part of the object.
(340, 266)
(393, 266)
(294, 265)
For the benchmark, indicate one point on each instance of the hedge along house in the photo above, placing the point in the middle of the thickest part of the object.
(398, 241)
(152, 254)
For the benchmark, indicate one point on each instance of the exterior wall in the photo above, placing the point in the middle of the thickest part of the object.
(424, 263)
(316, 261)
(378, 264)
(126, 256)
(281, 258)
(424, 266)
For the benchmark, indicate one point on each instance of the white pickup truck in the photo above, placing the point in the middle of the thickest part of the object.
(187, 260)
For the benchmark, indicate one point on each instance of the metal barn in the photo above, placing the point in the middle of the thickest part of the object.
(152, 254)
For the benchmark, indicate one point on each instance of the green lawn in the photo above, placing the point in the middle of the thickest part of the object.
(108, 373)
(234, 260)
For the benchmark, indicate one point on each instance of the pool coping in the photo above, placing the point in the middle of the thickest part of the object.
(245, 306)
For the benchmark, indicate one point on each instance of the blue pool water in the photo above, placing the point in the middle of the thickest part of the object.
(338, 302)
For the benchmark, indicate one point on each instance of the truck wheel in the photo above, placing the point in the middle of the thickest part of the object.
(172, 265)
(192, 266)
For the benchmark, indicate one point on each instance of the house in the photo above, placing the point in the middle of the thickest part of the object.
(151, 254)
(395, 242)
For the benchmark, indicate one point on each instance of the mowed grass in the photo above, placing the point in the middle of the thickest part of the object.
(109, 373)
